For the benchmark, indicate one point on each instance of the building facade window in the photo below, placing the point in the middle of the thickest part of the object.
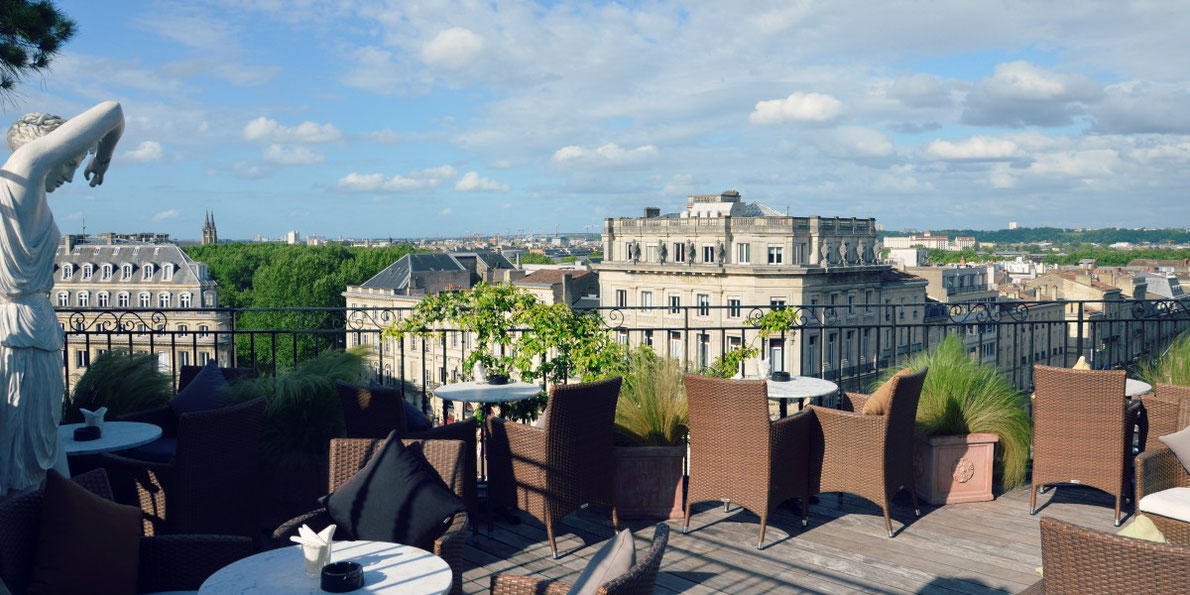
(163, 300)
(67, 271)
(708, 253)
(775, 255)
(621, 298)
(183, 330)
(183, 358)
(184, 300)
(126, 272)
(648, 338)
(122, 300)
(63, 299)
(147, 272)
(84, 299)
(675, 304)
(202, 330)
(733, 307)
(679, 252)
(102, 300)
(105, 273)
(82, 358)
(88, 270)
(704, 304)
(704, 350)
(646, 299)
(743, 253)
(675, 344)
(777, 355)
(167, 272)
(651, 253)
(145, 300)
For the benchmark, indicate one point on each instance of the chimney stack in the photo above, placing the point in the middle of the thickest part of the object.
(651, 212)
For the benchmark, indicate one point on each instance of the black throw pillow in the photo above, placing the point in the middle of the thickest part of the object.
(204, 393)
(398, 496)
(416, 420)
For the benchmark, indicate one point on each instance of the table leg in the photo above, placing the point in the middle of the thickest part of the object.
(783, 408)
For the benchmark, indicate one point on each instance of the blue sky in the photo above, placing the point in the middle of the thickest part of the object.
(369, 118)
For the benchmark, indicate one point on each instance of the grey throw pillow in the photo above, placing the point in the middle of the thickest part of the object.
(614, 559)
(1179, 443)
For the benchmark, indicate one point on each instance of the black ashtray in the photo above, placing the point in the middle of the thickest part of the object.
(341, 577)
(86, 433)
(779, 376)
(497, 379)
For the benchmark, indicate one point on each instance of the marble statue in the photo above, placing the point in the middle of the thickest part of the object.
(720, 252)
(46, 152)
(663, 253)
(690, 252)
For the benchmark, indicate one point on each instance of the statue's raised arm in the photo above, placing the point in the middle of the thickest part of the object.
(48, 149)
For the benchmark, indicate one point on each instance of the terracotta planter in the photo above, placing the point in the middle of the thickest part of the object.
(649, 482)
(954, 469)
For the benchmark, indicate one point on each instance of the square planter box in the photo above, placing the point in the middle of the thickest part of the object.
(954, 469)
(649, 482)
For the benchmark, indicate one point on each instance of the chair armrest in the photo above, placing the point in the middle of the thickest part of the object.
(162, 417)
(464, 430)
(1157, 470)
(852, 435)
(1037, 588)
(792, 433)
(140, 483)
(521, 438)
(854, 402)
(317, 519)
(449, 546)
(183, 562)
(508, 584)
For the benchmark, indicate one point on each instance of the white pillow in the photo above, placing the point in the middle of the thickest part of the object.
(1179, 443)
(614, 559)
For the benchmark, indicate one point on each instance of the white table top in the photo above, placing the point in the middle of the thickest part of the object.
(482, 392)
(1134, 388)
(117, 435)
(801, 387)
(388, 568)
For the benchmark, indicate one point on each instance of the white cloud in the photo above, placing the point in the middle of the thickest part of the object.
(855, 142)
(608, 155)
(163, 215)
(290, 155)
(452, 49)
(446, 212)
(920, 90)
(798, 107)
(975, 148)
(417, 180)
(265, 129)
(1020, 94)
(471, 181)
(145, 152)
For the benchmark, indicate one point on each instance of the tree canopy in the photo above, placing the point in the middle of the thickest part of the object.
(31, 33)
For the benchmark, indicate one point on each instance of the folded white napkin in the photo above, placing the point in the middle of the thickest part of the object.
(762, 367)
(479, 372)
(307, 537)
(94, 418)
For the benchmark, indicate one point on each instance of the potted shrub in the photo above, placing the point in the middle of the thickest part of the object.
(121, 381)
(1173, 365)
(651, 425)
(970, 419)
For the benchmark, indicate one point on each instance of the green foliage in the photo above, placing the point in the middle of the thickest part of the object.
(652, 410)
(31, 33)
(568, 259)
(1108, 257)
(728, 364)
(938, 256)
(1172, 366)
(1058, 235)
(269, 275)
(535, 258)
(775, 321)
(963, 396)
(121, 381)
(596, 254)
(302, 411)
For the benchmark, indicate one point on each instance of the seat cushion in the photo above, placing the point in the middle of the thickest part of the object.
(1173, 503)
(160, 450)
(398, 496)
(204, 393)
(87, 544)
(613, 560)
(1179, 443)
(878, 402)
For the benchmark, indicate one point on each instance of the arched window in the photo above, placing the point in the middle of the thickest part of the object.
(67, 271)
(122, 299)
(163, 300)
(184, 300)
(84, 299)
(88, 269)
(126, 272)
(183, 329)
(63, 299)
(106, 273)
(167, 272)
(148, 272)
(145, 300)
(102, 299)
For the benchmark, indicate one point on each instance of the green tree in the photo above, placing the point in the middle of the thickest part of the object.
(31, 33)
(535, 258)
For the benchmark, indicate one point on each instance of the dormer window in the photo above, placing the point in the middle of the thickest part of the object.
(88, 269)
(67, 271)
(167, 272)
(106, 272)
(148, 272)
(126, 272)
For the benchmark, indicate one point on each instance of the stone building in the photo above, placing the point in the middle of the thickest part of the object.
(209, 235)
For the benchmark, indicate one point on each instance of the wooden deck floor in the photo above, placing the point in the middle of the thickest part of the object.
(990, 547)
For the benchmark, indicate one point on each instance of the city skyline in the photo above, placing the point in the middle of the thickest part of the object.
(375, 119)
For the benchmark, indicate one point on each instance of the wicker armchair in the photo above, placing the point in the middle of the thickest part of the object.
(552, 471)
(1081, 560)
(1159, 469)
(639, 580)
(164, 417)
(373, 412)
(210, 485)
(868, 455)
(737, 454)
(349, 455)
(1082, 431)
(1162, 409)
(169, 563)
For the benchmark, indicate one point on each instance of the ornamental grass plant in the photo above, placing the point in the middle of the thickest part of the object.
(1172, 366)
(652, 408)
(964, 396)
(121, 381)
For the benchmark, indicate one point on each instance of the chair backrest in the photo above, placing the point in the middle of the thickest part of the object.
(20, 528)
(186, 374)
(728, 417)
(642, 577)
(1088, 404)
(1164, 410)
(349, 455)
(371, 412)
(580, 422)
(1081, 560)
(217, 470)
(902, 408)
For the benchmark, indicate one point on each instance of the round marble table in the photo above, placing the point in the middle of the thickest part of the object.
(1135, 388)
(117, 435)
(388, 568)
(482, 392)
(799, 388)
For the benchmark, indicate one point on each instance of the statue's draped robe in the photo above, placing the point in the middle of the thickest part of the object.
(30, 337)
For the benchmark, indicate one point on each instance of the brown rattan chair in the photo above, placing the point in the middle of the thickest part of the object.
(639, 580)
(374, 411)
(167, 563)
(349, 455)
(1082, 431)
(868, 455)
(1081, 560)
(210, 485)
(1161, 409)
(552, 471)
(738, 455)
(1159, 469)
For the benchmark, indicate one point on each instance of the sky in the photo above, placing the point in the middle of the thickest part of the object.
(404, 118)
